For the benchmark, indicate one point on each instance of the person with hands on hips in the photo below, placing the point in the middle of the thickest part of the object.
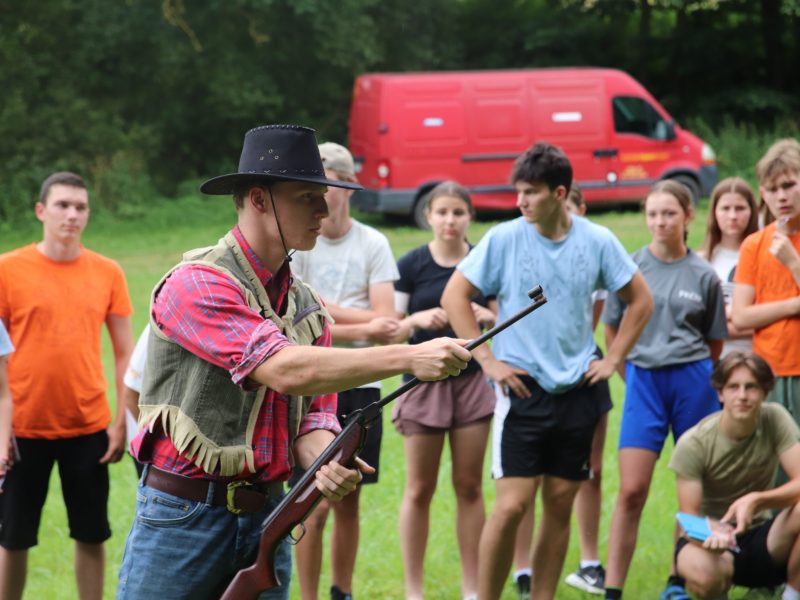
(726, 467)
(545, 370)
(590, 574)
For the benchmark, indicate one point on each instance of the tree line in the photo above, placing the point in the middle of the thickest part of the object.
(141, 96)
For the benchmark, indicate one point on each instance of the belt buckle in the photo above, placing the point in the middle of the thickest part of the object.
(231, 495)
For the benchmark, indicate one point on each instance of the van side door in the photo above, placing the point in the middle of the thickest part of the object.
(645, 143)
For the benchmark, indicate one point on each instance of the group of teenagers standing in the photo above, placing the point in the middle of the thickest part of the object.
(240, 384)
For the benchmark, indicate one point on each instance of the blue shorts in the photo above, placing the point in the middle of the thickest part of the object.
(677, 396)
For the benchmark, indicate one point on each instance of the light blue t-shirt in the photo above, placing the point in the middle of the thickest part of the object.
(6, 347)
(555, 344)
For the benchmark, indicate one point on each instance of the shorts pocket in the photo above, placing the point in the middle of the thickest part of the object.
(159, 509)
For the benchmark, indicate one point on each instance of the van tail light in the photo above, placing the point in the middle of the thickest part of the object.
(383, 174)
(707, 155)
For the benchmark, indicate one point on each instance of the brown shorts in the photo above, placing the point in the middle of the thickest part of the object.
(437, 406)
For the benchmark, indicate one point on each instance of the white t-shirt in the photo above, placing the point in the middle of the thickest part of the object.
(133, 377)
(724, 262)
(6, 347)
(342, 270)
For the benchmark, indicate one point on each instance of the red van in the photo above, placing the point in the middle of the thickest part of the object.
(410, 131)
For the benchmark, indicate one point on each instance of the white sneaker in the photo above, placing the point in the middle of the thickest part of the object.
(588, 579)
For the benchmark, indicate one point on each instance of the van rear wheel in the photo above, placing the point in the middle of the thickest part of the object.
(419, 213)
(691, 183)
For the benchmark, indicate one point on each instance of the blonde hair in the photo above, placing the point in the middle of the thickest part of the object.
(781, 158)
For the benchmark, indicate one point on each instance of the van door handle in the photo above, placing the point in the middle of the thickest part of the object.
(605, 152)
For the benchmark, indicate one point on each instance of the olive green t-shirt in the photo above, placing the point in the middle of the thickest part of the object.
(729, 469)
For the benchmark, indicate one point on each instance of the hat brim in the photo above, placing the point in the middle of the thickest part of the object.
(224, 184)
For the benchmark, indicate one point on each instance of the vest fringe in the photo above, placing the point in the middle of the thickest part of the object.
(188, 439)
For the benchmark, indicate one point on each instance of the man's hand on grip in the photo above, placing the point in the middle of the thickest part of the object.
(439, 358)
(335, 481)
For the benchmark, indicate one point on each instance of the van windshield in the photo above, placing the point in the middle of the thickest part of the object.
(636, 115)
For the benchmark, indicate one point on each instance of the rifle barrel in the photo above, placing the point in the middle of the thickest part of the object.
(538, 300)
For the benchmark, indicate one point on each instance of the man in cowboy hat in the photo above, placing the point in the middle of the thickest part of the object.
(240, 382)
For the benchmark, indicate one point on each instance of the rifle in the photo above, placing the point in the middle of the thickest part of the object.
(304, 496)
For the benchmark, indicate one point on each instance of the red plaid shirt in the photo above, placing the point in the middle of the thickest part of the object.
(205, 312)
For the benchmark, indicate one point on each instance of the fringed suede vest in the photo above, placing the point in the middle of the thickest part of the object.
(205, 414)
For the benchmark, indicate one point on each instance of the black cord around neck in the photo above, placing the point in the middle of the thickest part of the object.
(278, 223)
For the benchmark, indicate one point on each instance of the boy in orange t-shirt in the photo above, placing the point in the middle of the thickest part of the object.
(767, 293)
(55, 296)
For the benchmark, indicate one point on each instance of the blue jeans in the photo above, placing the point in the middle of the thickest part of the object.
(179, 548)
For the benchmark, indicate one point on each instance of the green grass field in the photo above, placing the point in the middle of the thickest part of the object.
(148, 242)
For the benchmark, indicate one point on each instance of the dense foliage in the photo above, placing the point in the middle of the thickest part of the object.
(141, 95)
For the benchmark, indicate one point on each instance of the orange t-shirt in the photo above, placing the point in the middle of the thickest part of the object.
(779, 342)
(55, 313)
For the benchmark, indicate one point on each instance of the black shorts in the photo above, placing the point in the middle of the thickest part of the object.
(753, 566)
(348, 402)
(84, 485)
(546, 434)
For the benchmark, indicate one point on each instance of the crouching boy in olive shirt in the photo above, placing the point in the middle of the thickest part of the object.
(726, 468)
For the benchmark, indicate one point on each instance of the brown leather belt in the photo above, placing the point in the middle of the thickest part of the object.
(238, 496)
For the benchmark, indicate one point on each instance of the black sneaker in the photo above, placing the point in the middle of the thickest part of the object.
(588, 579)
(523, 583)
(337, 594)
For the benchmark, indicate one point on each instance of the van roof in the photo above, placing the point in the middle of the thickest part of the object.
(544, 72)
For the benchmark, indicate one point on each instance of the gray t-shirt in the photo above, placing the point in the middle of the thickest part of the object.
(689, 310)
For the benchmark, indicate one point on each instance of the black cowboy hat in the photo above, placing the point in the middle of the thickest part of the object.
(276, 153)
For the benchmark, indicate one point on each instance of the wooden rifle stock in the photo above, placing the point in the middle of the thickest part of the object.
(298, 503)
(304, 496)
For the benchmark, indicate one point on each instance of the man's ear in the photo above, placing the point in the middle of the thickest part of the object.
(257, 197)
(561, 192)
(39, 210)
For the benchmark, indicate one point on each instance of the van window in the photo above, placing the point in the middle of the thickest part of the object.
(636, 115)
